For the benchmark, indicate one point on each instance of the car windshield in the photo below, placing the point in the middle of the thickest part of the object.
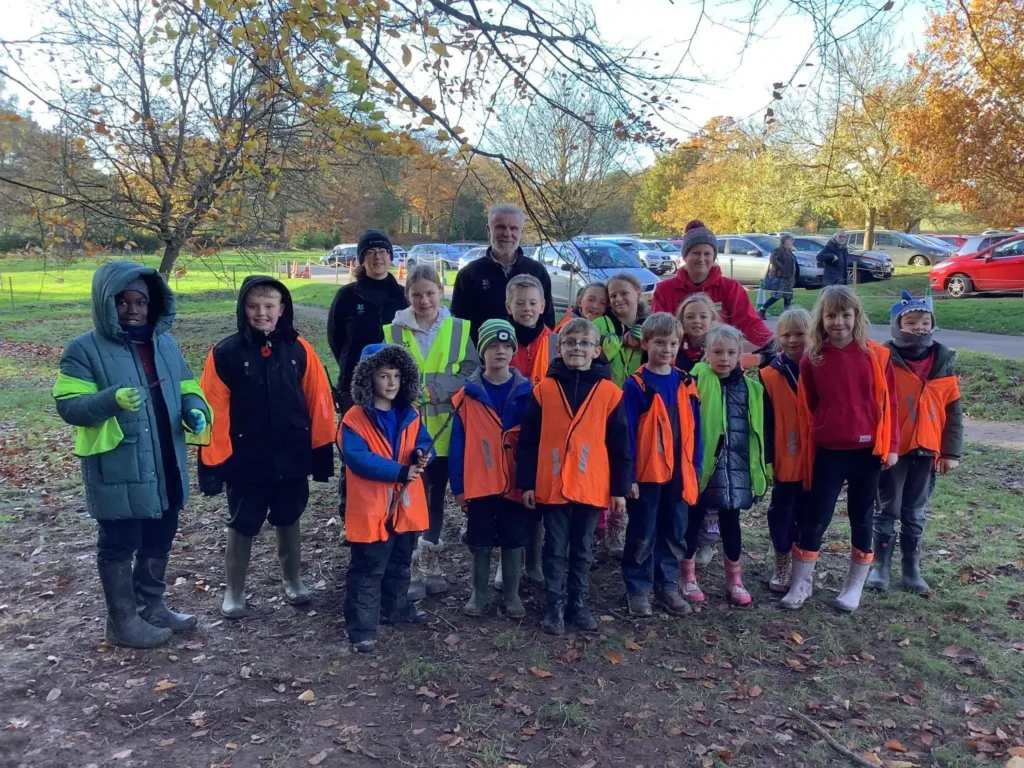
(668, 247)
(607, 256)
(921, 240)
(474, 253)
(764, 242)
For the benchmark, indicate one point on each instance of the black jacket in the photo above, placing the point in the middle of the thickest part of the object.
(576, 385)
(479, 292)
(835, 260)
(258, 380)
(729, 486)
(356, 320)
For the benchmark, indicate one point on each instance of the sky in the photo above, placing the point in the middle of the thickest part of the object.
(738, 63)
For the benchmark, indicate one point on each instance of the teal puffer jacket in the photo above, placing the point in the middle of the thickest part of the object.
(124, 475)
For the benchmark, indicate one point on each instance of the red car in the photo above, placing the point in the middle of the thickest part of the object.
(954, 240)
(999, 267)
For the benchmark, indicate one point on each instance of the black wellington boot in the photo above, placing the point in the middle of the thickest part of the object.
(553, 622)
(912, 579)
(578, 614)
(149, 596)
(124, 625)
(881, 566)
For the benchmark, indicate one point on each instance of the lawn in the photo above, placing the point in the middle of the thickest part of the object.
(905, 681)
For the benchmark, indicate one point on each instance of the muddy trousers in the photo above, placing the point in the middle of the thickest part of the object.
(377, 584)
(568, 540)
(904, 492)
(120, 540)
(728, 526)
(655, 539)
(787, 499)
(860, 469)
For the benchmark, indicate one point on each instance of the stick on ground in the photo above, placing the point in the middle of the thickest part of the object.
(819, 731)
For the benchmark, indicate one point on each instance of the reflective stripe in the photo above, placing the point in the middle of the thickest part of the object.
(488, 459)
(556, 467)
(584, 454)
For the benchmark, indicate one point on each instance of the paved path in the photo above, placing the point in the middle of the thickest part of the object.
(989, 343)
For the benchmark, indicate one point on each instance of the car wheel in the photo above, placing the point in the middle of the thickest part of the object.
(959, 286)
(919, 261)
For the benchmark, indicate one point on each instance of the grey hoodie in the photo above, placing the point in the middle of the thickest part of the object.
(442, 387)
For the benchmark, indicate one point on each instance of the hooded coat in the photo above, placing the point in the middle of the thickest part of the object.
(129, 480)
(835, 259)
(274, 414)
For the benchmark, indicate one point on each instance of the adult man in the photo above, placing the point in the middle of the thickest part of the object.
(479, 293)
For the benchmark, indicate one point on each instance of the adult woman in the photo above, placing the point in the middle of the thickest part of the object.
(701, 274)
(835, 258)
(358, 314)
(620, 325)
(781, 275)
(446, 357)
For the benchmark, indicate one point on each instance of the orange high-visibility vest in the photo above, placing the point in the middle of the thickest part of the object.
(922, 409)
(789, 443)
(880, 357)
(655, 443)
(489, 453)
(368, 501)
(573, 459)
(533, 359)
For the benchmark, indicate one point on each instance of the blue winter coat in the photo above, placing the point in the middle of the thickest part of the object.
(126, 481)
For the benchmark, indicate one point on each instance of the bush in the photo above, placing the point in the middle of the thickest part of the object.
(314, 240)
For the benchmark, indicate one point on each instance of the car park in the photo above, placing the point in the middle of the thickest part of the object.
(871, 265)
(573, 264)
(999, 267)
(438, 255)
(902, 248)
(745, 258)
(340, 255)
(954, 240)
(648, 254)
(977, 243)
(472, 255)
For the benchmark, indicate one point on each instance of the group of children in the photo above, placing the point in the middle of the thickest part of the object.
(649, 419)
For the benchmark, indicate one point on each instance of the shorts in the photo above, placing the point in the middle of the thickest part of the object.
(252, 504)
(495, 521)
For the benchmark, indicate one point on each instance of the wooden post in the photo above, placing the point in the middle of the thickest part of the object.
(234, 282)
(10, 284)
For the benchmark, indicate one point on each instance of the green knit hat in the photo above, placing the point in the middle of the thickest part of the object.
(496, 330)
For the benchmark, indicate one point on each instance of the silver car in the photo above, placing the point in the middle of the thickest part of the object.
(978, 243)
(745, 258)
(572, 265)
(646, 251)
(902, 248)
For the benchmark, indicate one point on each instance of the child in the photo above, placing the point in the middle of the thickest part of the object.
(620, 328)
(128, 390)
(930, 418)
(571, 461)
(663, 414)
(591, 303)
(782, 410)
(849, 388)
(274, 428)
(734, 473)
(481, 461)
(697, 314)
(524, 300)
(386, 447)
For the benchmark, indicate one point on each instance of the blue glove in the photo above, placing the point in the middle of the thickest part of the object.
(195, 420)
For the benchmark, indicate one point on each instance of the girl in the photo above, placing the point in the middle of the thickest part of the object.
(734, 471)
(848, 386)
(782, 412)
(446, 357)
(591, 303)
(697, 313)
(620, 327)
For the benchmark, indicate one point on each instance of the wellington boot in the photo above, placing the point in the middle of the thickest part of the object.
(801, 585)
(734, 588)
(236, 565)
(688, 581)
(780, 580)
(849, 596)
(881, 568)
(553, 622)
(512, 566)
(289, 553)
(148, 578)
(477, 604)
(912, 579)
(124, 625)
(534, 554)
(577, 613)
(429, 564)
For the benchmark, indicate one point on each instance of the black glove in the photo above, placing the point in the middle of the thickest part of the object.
(323, 463)
(767, 353)
(211, 480)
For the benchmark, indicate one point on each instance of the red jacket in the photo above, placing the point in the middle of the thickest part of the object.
(839, 395)
(728, 295)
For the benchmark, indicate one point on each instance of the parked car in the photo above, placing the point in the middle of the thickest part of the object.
(1000, 267)
(340, 255)
(472, 255)
(955, 240)
(435, 254)
(901, 247)
(572, 265)
(871, 265)
(977, 243)
(745, 258)
(650, 256)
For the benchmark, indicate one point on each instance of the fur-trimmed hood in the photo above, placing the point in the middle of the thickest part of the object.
(380, 355)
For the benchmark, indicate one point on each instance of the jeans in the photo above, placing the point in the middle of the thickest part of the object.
(787, 499)
(786, 301)
(377, 583)
(120, 540)
(655, 539)
(435, 477)
(568, 540)
(904, 492)
(860, 469)
(728, 527)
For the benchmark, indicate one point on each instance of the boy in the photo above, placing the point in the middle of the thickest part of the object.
(931, 438)
(274, 427)
(571, 461)
(481, 462)
(385, 447)
(782, 407)
(663, 414)
(524, 300)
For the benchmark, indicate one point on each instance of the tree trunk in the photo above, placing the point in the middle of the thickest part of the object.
(869, 232)
(171, 252)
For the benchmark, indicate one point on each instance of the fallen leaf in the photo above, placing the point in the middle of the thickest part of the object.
(452, 640)
(541, 673)
(496, 676)
(613, 657)
(754, 692)
(872, 758)
(952, 651)
(927, 739)
(231, 745)
(901, 764)
(165, 742)
(1015, 751)
(164, 685)
(1015, 762)
(797, 638)
(122, 755)
(307, 695)
(895, 746)
(318, 758)
(588, 702)
(199, 734)
(904, 643)
(245, 672)
(280, 688)
(571, 655)
(633, 645)
(327, 723)
(53, 695)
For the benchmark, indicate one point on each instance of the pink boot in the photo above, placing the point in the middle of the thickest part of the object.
(688, 581)
(738, 595)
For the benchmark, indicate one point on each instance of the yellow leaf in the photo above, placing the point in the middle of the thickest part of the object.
(307, 695)
(541, 673)
(354, 33)
(797, 638)
(163, 685)
(613, 657)
(440, 49)
(633, 645)
(166, 80)
(231, 59)
(406, 55)
(872, 758)
(895, 746)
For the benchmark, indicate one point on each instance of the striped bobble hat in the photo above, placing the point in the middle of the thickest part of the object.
(494, 330)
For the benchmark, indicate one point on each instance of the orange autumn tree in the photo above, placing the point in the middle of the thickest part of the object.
(965, 136)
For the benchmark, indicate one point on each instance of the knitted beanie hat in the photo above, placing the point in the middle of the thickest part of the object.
(138, 284)
(495, 330)
(906, 305)
(697, 234)
(372, 238)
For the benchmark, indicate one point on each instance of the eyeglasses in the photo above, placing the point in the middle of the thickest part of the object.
(572, 344)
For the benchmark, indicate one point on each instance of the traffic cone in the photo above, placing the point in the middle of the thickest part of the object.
(401, 270)
(761, 299)
(928, 298)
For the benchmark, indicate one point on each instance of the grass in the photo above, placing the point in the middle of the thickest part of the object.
(991, 387)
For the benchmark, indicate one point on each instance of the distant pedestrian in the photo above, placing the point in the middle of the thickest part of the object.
(781, 275)
(835, 258)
